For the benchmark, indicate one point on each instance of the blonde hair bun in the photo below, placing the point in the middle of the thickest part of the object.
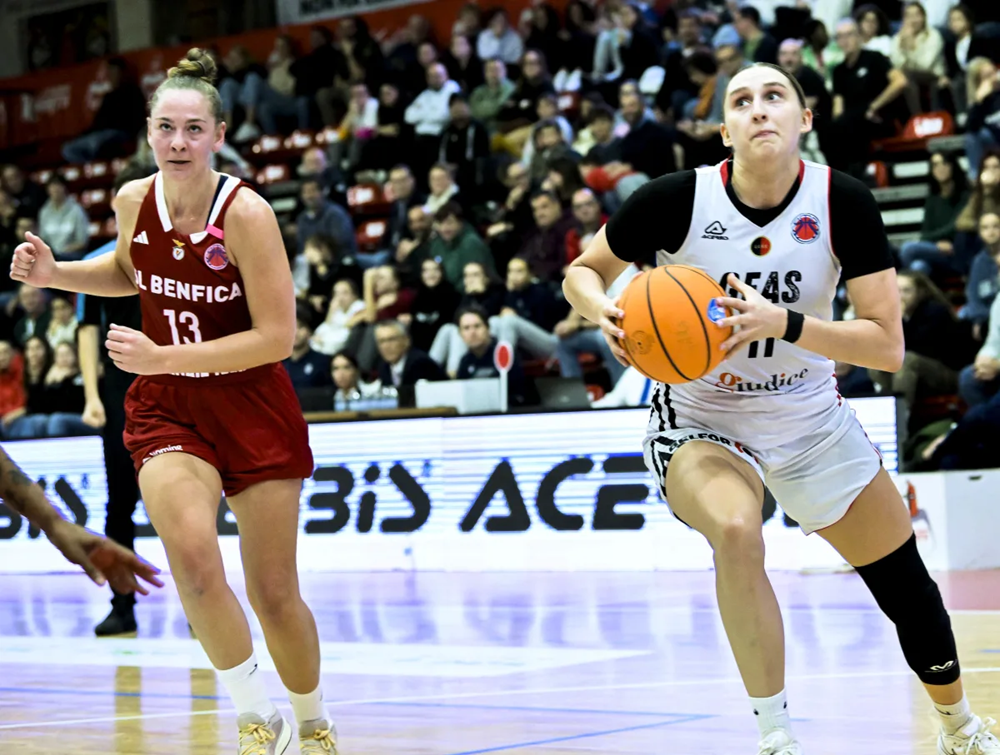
(197, 64)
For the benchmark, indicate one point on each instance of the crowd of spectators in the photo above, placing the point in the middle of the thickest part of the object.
(500, 152)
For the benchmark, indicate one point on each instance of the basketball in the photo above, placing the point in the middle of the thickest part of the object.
(669, 323)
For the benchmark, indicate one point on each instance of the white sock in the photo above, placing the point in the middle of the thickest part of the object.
(954, 717)
(245, 685)
(309, 707)
(771, 713)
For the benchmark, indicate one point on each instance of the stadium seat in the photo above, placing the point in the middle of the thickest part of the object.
(96, 170)
(272, 174)
(41, 177)
(370, 234)
(367, 199)
(118, 165)
(878, 172)
(918, 131)
(95, 201)
(299, 141)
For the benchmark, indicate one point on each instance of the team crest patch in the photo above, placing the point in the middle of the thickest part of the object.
(805, 228)
(715, 311)
(178, 250)
(215, 257)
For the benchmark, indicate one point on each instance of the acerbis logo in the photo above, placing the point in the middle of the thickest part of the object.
(716, 231)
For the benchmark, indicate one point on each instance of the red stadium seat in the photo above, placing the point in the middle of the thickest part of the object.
(71, 173)
(94, 227)
(118, 165)
(96, 170)
(266, 145)
(329, 135)
(918, 130)
(92, 199)
(41, 176)
(370, 234)
(879, 173)
(300, 140)
(272, 174)
(367, 199)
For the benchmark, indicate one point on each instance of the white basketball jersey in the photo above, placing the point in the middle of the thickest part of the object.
(771, 390)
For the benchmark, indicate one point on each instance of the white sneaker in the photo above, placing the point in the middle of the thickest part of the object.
(974, 738)
(260, 737)
(247, 132)
(779, 742)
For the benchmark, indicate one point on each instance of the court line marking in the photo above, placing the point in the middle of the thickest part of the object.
(585, 735)
(496, 693)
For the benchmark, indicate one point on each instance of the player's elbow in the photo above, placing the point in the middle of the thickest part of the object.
(893, 357)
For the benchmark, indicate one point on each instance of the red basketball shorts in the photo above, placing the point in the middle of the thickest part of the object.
(250, 429)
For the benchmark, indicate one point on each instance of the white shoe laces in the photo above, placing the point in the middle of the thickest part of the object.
(983, 742)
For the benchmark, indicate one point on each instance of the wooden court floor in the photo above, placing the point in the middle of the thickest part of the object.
(460, 664)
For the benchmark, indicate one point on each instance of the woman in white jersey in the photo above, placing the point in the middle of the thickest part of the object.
(781, 233)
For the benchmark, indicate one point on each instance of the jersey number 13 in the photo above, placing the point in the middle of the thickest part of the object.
(190, 321)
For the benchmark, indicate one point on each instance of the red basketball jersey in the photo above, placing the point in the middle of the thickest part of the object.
(189, 291)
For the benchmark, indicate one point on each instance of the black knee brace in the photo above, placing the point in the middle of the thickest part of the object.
(906, 594)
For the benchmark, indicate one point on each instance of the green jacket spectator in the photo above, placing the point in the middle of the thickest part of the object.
(456, 244)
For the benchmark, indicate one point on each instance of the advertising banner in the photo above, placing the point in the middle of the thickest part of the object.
(310, 11)
(557, 491)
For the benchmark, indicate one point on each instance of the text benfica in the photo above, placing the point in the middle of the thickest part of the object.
(175, 289)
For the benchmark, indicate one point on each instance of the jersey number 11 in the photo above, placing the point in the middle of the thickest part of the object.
(752, 349)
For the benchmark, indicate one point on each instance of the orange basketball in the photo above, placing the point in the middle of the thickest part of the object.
(669, 323)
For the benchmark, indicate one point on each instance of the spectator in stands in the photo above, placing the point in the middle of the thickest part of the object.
(332, 334)
(456, 244)
(521, 109)
(306, 368)
(648, 147)
(483, 288)
(638, 46)
(512, 220)
(401, 189)
(936, 347)
(12, 395)
(27, 195)
(465, 144)
(549, 144)
(385, 299)
(394, 136)
(427, 54)
(8, 219)
(499, 40)
(547, 110)
(865, 90)
(983, 124)
(981, 288)
(413, 247)
(62, 327)
(563, 178)
(358, 127)
(489, 98)
(579, 39)
(433, 306)
(401, 364)
(579, 336)
(700, 138)
(317, 76)
(118, 120)
(818, 98)
(545, 246)
(54, 393)
(347, 380)
(934, 254)
(441, 180)
(469, 21)
(362, 53)
(63, 223)
(328, 263)
(323, 217)
(678, 87)
(758, 45)
(918, 51)
(477, 362)
(428, 114)
(532, 302)
(819, 53)
(315, 165)
(589, 220)
(962, 47)
(464, 66)
(36, 317)
(985, 197)
(539, 27)
(243, 85)
(873, 25)
(608, 67)
(607, 146)
(402, 66)
(979, 382)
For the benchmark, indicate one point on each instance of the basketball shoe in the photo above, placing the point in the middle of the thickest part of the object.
(974, 738)
(317, 737)
(260, 737)
(779, 742)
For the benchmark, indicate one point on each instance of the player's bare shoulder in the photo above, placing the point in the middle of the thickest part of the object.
(250, 224)
(129, 198)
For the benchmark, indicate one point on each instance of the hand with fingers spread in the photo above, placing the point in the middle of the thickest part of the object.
(33, 262)
(133, 351)
(609, 323)
(754, 318)
(103, 560)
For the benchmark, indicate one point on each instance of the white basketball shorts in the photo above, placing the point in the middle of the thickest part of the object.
(814, 478)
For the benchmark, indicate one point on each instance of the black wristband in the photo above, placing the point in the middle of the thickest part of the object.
(794, 328)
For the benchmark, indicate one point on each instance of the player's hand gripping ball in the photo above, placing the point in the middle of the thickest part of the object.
(670, 316)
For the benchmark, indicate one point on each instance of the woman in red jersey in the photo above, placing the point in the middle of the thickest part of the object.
(213, 410)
